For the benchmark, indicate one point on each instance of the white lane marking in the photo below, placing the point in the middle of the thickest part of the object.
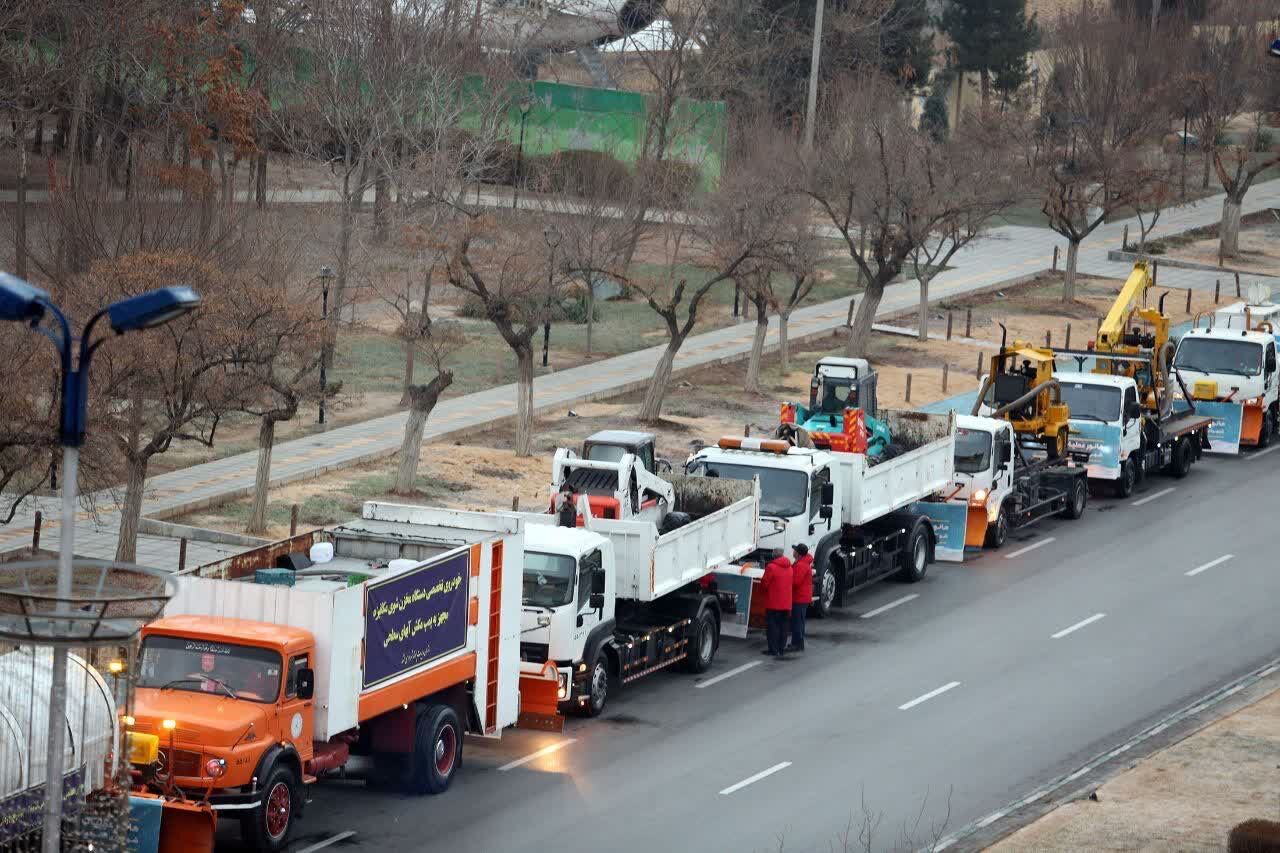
(903, 600)
(1209, 565)
(990, 819)
(1076, 627)
(1268, 450)
(738, 786)
(1031, 547)
(534, 756)
(320, 845)
(730, 674)
(926, 697)
(1149, 498)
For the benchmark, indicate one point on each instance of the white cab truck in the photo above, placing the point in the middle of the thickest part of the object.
(254, 684)
(1005, 486)
(1123, 440)
(851, 511)
(1230, 370)
(609, 600)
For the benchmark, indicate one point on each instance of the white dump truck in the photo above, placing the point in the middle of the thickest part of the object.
(609, 600)
(852, 511)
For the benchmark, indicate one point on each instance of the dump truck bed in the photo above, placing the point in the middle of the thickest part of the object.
(926, 467)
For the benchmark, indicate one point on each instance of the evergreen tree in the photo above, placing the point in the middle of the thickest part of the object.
(992, 38)
(933, 119)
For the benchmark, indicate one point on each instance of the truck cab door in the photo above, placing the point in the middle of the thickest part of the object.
(1269, 374)
(1002, 479)
(1130, 428)
(297, 705)
(589, 567)
(819, 522)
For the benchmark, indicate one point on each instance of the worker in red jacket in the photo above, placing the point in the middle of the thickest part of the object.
(801, 593)
(776, 588)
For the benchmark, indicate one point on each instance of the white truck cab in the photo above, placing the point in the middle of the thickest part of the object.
(1231, 367)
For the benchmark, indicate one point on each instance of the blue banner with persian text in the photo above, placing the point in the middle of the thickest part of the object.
(1102, 443)
(21, 814)
(415, 617)
(949, 521)
(145, 814)
(1224, 432)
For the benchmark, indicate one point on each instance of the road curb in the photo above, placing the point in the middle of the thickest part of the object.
(1177, 726)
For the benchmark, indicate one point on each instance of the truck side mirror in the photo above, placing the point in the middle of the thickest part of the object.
(828, 494)
(306, 684)
(597, 583)
(1132, 411)
(1271, 362)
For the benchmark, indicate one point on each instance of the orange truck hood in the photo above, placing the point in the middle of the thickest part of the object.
(207, 719)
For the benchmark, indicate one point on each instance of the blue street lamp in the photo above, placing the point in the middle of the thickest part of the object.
(23, 303)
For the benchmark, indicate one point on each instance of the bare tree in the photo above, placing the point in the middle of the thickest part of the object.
(799, 251)
(1102, 104)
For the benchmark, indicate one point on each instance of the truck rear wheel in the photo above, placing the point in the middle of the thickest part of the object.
(1077, 499)
(1183, 456)
(268, 827)
(915, 557)
(703, 639)
(437, 750)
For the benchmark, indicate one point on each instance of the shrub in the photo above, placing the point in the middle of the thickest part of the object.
(571, 309)
(671, 181)
(1255, 836)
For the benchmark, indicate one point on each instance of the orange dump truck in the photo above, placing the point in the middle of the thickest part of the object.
(395, 644)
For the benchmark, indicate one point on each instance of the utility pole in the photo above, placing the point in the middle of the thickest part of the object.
(811, 108)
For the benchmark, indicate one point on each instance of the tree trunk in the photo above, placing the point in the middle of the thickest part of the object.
(260, 181)
(262, 477)
(346, 226)
(381, 207)
(757, 350)
(784, 347)
(20, 212)
(651, 408)
(131, 511)
(410, 451)
(1229, 231)
(1208, 161)
(591, 309)
(924, 307)
(410, 356)
(955, 121)
(984, 78)
(1069, 272)
(860, 328)
(524, 400)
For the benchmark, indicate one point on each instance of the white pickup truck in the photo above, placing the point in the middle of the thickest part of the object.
(851, 511)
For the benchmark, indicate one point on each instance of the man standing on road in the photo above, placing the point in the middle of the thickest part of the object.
(801, 593)
(776, 587)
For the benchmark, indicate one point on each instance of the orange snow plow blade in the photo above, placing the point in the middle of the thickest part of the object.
(540, 701)
(975, 532)
(187, 828)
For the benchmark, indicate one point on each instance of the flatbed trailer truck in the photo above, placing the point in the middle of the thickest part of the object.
(406, 639)
(854, 513)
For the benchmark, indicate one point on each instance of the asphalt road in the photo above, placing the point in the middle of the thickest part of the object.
(1002, 673)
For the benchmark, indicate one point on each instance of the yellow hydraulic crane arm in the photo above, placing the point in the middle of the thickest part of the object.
(1111, 333)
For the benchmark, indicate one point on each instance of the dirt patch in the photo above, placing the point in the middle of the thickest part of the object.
(1186, 797)
(1259, 249)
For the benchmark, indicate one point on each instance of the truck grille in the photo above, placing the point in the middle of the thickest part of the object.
(182, 762)
(533, 652)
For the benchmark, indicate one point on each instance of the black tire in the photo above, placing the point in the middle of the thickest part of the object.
(1077, 499)
(1183, 456)
(825, 588)
(1128, 479)
(268, 827)
(597, 686)
(704, 639)
(914, 561)
(998, 531)
(1139, 464)
(437, 750)
(1267, 430)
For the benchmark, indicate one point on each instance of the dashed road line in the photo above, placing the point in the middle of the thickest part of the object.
(738, 786)
(1071, 629)
(1031, 547)
(534, 756)
(334, 839)
(737, 670)
(926, 697)
(1149, 498)
(1209, 565)
(893, 604)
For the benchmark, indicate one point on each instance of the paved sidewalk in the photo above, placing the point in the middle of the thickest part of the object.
(1007, 253)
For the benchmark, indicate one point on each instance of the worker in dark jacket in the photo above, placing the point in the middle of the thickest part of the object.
(801, 593)
(776, 588)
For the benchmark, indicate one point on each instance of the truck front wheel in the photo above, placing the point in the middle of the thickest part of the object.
(268, 827)
(597, 686)
(824, 592)
(1128, 478)
(1267, 429)
(703, 636)
(998, 531)
(437, 750)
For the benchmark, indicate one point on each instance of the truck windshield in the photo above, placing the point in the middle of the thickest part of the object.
(1091, 402)
(837, 395)
(605, 453)
(782, 493)
(973, 451)
(206, 666)
(548, 579)
(1213, 355)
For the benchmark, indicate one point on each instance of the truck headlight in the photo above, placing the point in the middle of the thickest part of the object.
(979, 498)
(563, 691)
(215, 767)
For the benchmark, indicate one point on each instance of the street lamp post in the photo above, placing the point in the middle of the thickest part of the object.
(811, 108)
(1185, 128)
(21, 302)
(552, 236)
(525, 104)
(326, 275)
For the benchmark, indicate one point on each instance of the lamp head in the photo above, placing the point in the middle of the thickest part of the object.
(153, 308)
(20, 301)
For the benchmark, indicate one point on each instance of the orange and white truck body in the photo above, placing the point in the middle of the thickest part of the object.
(406, 638)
